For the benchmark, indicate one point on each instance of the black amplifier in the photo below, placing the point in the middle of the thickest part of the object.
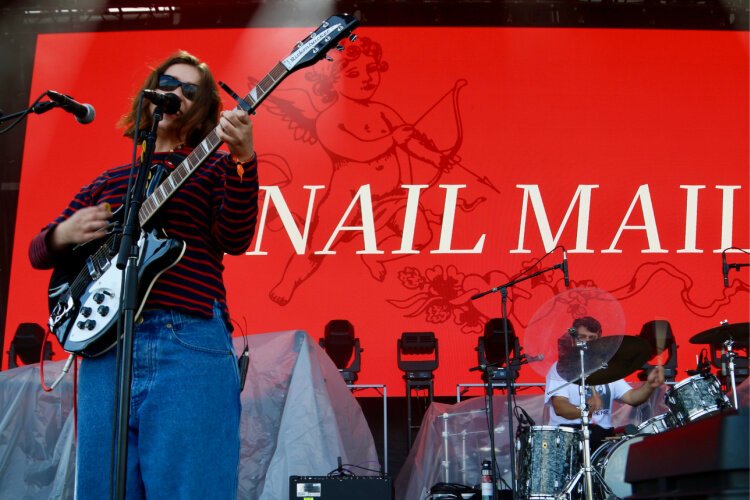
(340, 488)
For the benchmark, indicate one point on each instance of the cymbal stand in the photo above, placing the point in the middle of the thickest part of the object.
(730, 355)
(586, 472)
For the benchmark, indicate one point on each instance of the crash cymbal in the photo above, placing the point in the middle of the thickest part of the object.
(739, 332)
(600, 364)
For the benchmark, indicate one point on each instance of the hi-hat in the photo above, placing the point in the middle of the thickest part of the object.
(739, 332)
(600, 364)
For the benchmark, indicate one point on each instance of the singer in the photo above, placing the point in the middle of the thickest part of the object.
(564, 401)
(183, 439)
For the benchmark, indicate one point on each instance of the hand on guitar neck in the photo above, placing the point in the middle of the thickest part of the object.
(236, 130)
(86, 224)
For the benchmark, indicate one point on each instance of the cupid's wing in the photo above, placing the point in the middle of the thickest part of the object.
(296, 107)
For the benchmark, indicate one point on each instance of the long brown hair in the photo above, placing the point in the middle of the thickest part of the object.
(203, 115)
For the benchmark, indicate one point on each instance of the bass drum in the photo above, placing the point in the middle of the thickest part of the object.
(610, 460)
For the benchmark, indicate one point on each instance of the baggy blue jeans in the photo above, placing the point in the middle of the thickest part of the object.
(183, 437)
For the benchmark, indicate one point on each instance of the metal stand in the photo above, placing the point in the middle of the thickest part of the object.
(503, 289)
(730, 356)
(586, 472)
(355, 387)
(128, 262)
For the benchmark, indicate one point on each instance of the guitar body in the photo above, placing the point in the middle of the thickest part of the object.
(84, 308)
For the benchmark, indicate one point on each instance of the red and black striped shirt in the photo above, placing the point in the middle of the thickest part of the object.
(213, 212)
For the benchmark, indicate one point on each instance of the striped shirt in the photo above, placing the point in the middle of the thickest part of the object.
(213, 212)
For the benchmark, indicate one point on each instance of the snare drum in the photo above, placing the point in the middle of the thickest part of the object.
(610, 460)
(657, 424)
(696, 397)
(548, 458)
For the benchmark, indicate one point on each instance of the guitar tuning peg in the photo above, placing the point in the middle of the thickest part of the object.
(352, 37)
(329, 58)
(339, 47)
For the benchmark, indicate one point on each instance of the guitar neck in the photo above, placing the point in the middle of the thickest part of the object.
(207, 146)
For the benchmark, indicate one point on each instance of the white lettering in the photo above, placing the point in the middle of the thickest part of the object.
(649, 223)
(449, 215)
(367, 227)
(297, 238)
(531, 191)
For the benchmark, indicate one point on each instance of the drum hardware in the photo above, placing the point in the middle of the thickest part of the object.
(728, 335)
(616, 357)
(730, 354)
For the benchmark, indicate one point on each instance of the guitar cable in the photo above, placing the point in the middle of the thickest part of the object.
(65, 370)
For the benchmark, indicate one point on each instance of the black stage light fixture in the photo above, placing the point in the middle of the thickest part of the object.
(340, 345)
(491, 348)
(418, 344)
(26, 345)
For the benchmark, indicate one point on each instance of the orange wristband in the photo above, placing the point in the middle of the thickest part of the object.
(240, 165)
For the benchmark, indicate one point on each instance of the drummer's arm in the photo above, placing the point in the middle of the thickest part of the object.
(564, 408)
(635, 397)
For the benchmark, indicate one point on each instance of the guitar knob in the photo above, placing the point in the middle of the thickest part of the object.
(329, 58)
(339, 48)
(85, 311)
(90, 324)
(98, 297)
(81, 325)
(352, 37)
(103, 310)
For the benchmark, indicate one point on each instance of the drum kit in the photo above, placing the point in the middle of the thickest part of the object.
(557, 463)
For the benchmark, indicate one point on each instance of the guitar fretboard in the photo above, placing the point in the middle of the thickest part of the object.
(207, 146)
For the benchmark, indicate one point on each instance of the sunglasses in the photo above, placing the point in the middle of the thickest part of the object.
(169, 83)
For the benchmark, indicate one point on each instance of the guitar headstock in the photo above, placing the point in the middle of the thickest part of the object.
(319, 42)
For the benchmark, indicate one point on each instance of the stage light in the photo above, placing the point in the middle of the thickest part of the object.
(340, 344)
(418, 344)
(491, 349)
(422, 350)
(27, 345)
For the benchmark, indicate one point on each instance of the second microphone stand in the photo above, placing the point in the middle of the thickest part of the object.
(509, 382)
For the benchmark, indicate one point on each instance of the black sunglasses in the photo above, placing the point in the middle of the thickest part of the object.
(169, 83)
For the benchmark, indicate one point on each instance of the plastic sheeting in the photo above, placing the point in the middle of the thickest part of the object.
(454, 439)
(298, 417)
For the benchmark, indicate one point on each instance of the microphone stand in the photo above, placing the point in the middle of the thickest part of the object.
(127, 260)
(37, 108)
(503, 289)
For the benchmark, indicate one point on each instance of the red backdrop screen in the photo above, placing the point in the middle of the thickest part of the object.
(440, 162)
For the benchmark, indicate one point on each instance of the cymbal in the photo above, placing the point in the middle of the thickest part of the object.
(605, 360)
(739, 332)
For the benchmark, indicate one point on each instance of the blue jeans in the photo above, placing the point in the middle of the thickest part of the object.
(183, 437)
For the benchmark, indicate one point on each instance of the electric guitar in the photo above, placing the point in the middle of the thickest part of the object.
(84, 295)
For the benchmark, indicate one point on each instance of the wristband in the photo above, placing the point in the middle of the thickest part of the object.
(240, 165)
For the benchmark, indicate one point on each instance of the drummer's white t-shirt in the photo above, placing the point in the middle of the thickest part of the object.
(608, 393)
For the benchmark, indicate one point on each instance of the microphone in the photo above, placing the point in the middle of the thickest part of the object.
(565, 268)
(169, 102)
(84, 113)
(573, 332)
(530, 421)
(725, 268)
(533, 359)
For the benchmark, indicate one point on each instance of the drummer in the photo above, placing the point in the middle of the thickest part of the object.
(563, 399)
